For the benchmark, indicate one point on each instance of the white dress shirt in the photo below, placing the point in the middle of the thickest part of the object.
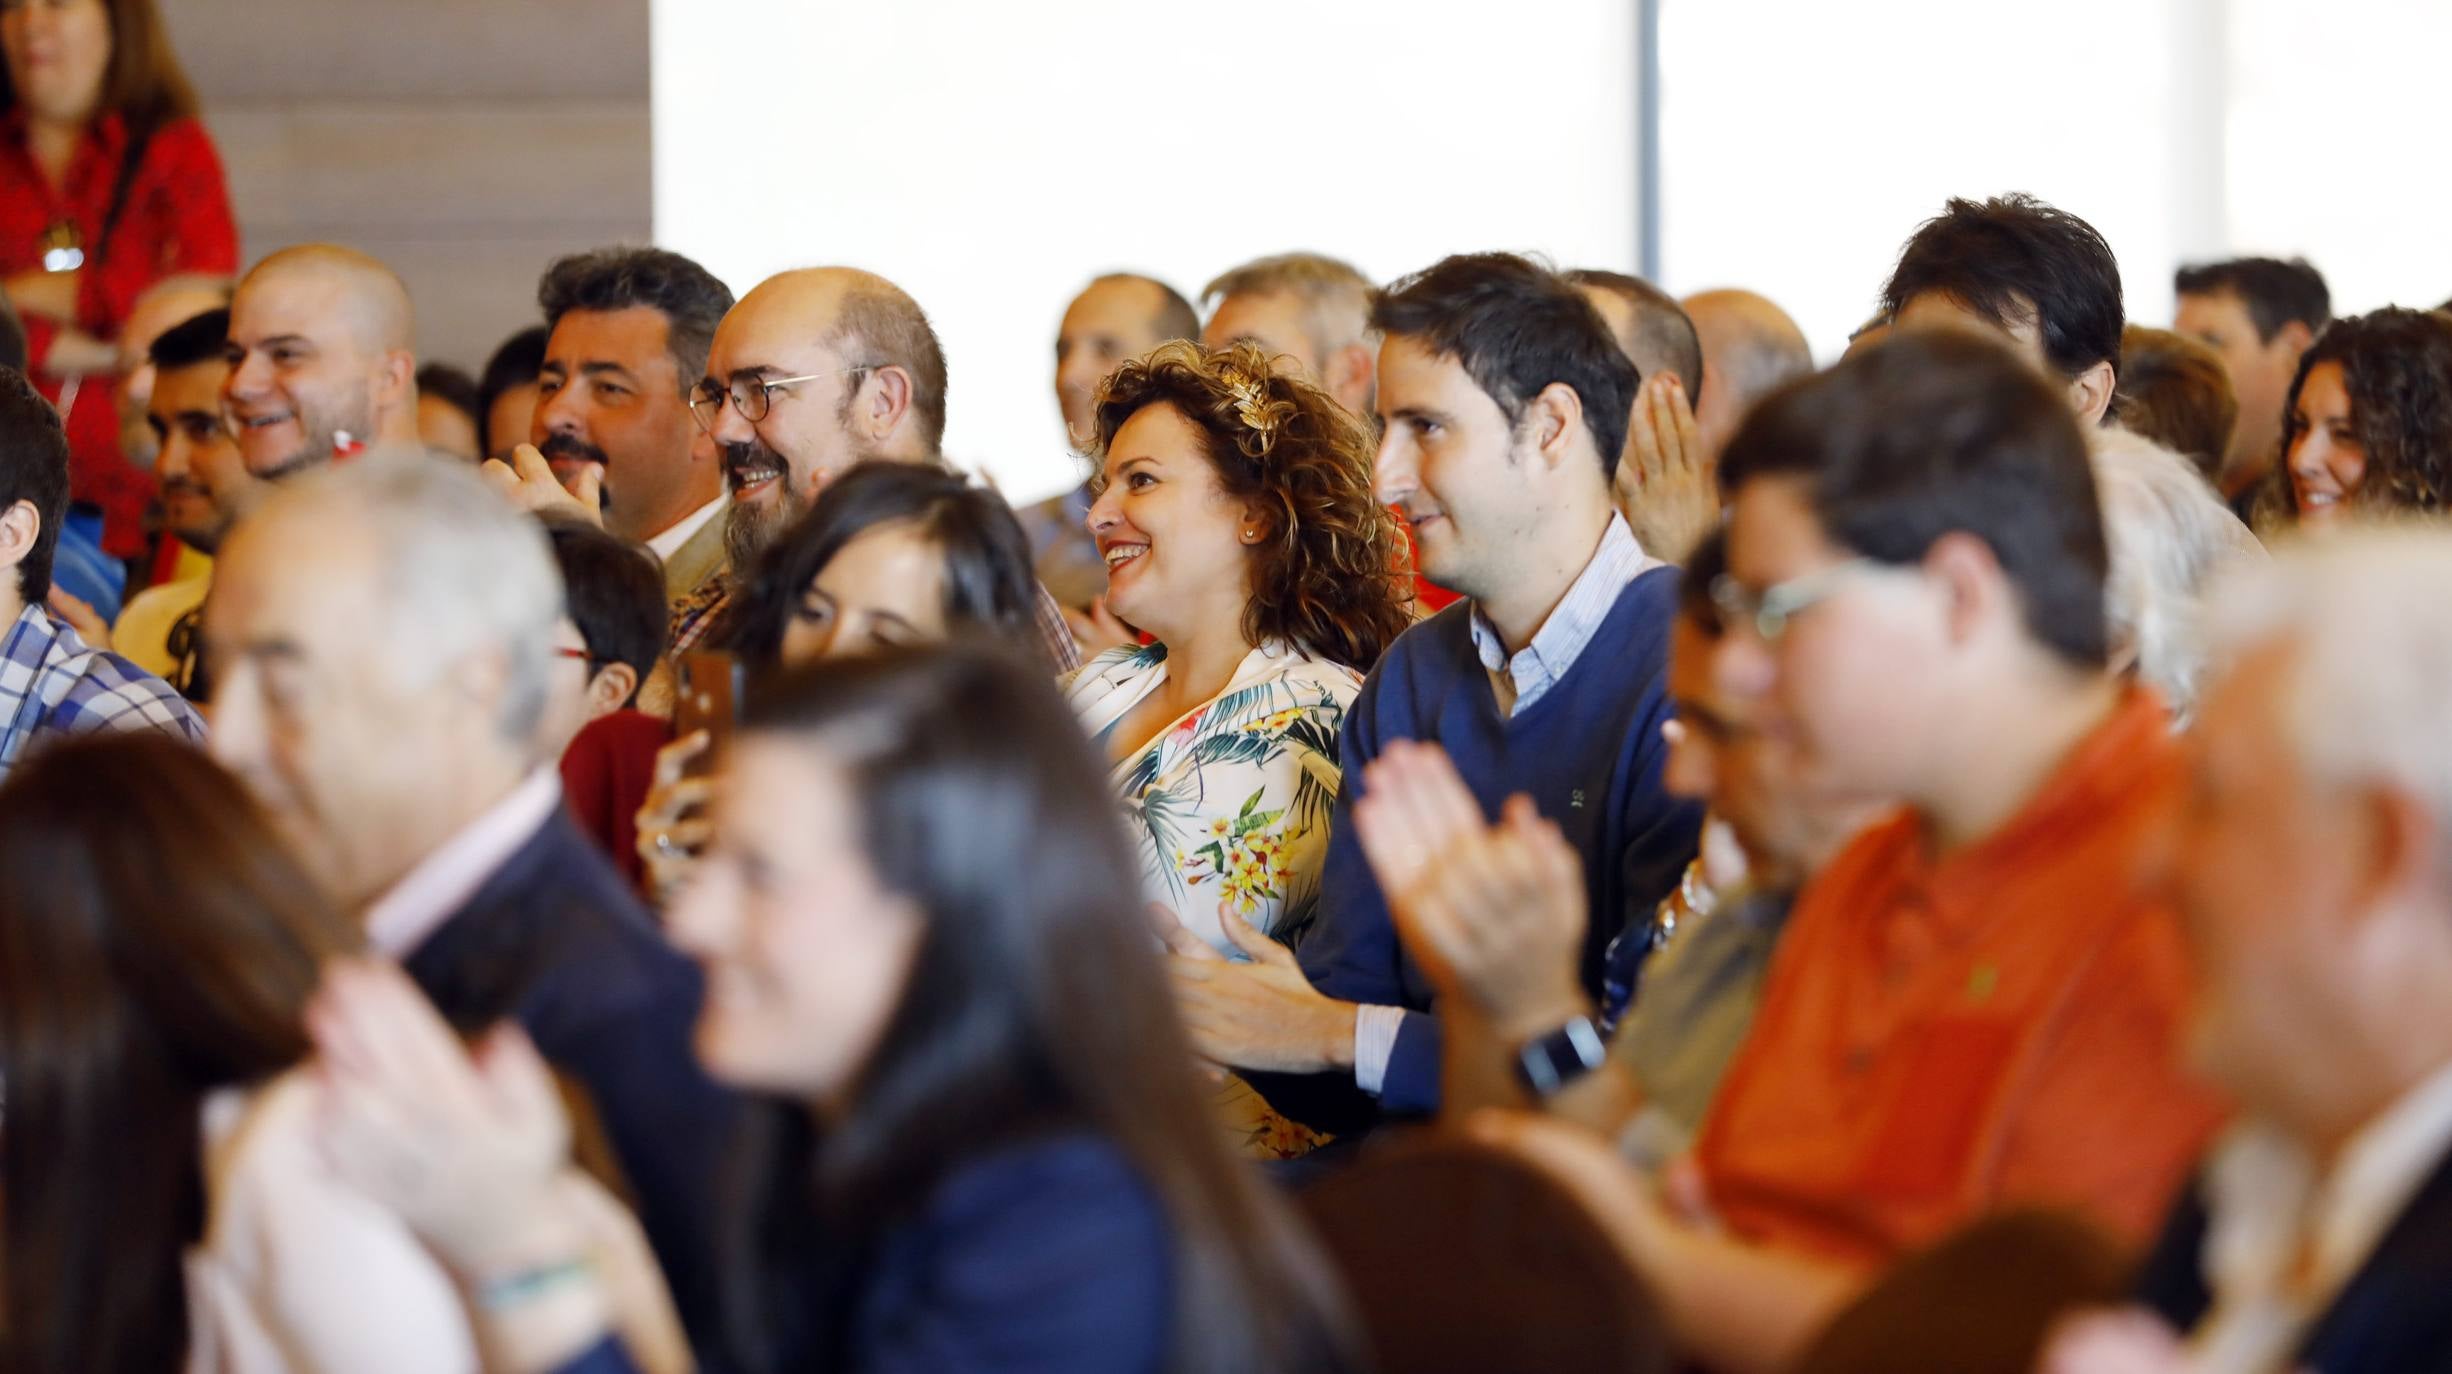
(2282, 1237)
(669, 543)
(400, 920)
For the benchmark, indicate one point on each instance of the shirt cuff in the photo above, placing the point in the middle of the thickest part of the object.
(1375, 1031)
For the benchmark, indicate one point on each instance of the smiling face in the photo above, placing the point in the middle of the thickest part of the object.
(1177, 558)
(610, 396)
(806, 952)
(205, 483)
(58, 51)
(2327, 461)
(1451, 463)
(299, 375)
(884, 587)
(776, 466)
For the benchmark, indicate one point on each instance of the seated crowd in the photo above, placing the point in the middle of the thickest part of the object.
(635, 862)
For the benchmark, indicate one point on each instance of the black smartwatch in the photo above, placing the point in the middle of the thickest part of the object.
(1552, 1061)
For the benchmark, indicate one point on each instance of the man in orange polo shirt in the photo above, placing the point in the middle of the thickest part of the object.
(1974, 1005)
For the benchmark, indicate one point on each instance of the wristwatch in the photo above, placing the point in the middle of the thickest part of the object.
(1550, 1062)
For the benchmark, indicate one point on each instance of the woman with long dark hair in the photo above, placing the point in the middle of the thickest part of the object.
(891, 554)
(166, 1205)
(923, 942)
(2368, 424)
(108, 184)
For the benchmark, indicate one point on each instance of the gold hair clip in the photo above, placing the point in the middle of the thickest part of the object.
(1251, 403)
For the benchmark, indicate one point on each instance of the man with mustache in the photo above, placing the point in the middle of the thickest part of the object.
(812, 372)
(630, 332)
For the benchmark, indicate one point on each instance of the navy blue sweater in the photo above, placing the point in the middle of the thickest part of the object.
(1588, 752)
(1050, 1257)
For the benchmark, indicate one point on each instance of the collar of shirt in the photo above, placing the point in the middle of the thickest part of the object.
(401, 919)
(2128, 762)
(2281, 1240)
(1539, 665)
(39, 662)
(669, 543)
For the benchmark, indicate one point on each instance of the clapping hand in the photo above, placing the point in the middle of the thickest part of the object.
(1495, 914)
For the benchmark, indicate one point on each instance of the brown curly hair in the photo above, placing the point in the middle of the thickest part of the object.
(1329, 576)
(2397, 366)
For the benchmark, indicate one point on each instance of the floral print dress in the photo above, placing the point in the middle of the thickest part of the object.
(1228, 808)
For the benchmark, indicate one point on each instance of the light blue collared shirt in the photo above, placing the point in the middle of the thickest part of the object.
(1520, 681)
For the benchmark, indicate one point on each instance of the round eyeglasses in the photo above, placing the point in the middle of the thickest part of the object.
(753, 396)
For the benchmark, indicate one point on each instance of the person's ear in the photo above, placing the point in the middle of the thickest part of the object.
(395, 385)
(2294, 337)
(1254, 524)
(2090, 392)
(2396, 849)
(1974, 589)
(611, 689)
(21, 527)
(889, 399)
(1352, 375)
(1556, 414)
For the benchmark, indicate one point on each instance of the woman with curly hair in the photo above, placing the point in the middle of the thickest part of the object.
(1236, 519)
(2368, 427)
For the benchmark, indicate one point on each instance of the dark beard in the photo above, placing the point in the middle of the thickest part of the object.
(749, 530)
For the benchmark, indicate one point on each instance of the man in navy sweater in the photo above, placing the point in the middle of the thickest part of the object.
(1505, 402)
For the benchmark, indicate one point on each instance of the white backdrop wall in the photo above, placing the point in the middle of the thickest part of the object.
(992, 156)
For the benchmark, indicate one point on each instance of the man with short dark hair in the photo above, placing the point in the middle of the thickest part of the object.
(2037, 276)
(1117, 317)
(447, 412)
(613, 607)
(2260, 314)
(1975, 1006)
(51, 683)
(506, 392)
(1504, 401)
(205, 489)
(630, 332)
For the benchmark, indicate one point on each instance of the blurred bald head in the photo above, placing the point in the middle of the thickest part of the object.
(322, 343)
(1750, 347)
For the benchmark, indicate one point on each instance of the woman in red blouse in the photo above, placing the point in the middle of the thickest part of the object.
(108, 183)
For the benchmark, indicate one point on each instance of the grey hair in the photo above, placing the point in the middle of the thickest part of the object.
(2169, 537)
(460, 572)
(2370, 638)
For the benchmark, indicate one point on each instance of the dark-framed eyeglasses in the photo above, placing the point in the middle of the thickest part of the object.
(1770, 610)
(754, 397)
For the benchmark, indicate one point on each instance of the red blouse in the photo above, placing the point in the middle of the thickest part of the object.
(176, 219)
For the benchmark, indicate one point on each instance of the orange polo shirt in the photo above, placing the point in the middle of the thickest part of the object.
(1942, 1037)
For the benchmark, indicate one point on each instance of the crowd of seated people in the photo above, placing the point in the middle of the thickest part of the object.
(1502, 811)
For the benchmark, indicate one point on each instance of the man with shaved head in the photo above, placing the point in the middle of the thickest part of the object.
(1116, 317)
(1750, 347)
(812, 372)
(322, 345)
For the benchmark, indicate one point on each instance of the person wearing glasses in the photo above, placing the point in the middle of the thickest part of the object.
(812, 372)
(1977, 1005)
